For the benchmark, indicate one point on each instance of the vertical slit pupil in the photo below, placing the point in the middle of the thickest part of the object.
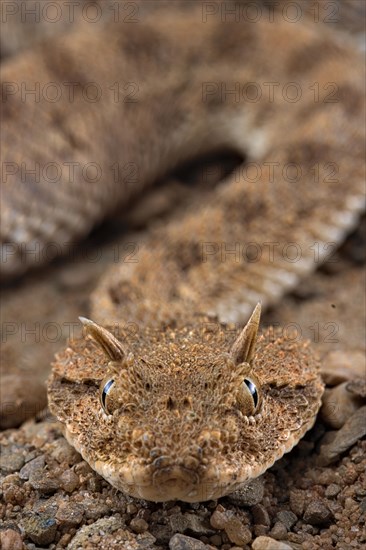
(253, 390)
(105, 391)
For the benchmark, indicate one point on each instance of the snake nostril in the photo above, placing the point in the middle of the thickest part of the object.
(170, 405)
(190, 462)
(187, 402)
(196, 451)
(162, 462)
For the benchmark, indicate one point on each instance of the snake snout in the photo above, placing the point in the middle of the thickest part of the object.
(175, 481)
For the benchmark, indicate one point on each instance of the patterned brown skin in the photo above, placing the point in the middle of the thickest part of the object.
(178, 104)
(172, 416)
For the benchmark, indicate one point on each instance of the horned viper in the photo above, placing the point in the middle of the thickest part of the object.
(178, 402)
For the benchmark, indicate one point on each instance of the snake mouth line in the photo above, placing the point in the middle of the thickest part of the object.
(175, 482)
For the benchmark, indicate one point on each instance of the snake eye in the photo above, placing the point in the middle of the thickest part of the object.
(105, 391)
(249, 396)
(252, 390)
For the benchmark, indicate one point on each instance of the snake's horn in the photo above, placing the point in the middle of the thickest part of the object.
(105, 339)
(243, 347)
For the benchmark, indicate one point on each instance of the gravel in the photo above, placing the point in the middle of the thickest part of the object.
(353, 430)
(181, 542)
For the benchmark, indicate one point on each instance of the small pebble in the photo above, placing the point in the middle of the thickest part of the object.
(70, 513)
(363, 505)
(327, 476)
(260, 515)
(218, 518)
(338, 405)
(12, 492)
(44, 482)
(102, 526)
(249, 494)
(64, 452)
(287, 518)
(69, 480)
(40, 529)
(237, 532)
(353, 430)
(193, 523)
(278, 531)
(131, 509)
(182, 542)
(261, 530)
(64, 540)
(94, 484)
(267, 543)
(95, 508)
(216, 540)
(11, 462)
(10, 540)
(31, 467)
(83, 469)
(139, 525)
(317, 513)
(332, 490)
(297, 501)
